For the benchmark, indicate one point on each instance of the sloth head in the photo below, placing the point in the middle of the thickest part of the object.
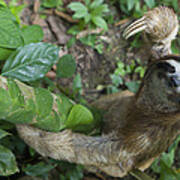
(160, 89)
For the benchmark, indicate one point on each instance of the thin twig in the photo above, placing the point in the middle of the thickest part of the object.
(88, 31)
(65, 16)
(121, 22)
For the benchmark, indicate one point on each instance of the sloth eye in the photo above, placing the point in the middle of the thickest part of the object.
(167, 67)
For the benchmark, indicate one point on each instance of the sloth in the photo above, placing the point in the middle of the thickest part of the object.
(137, 127)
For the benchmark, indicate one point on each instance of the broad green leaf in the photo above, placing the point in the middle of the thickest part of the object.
(96, 3)
(64, 107)
(52, 122)
(20, 115)
(100, 22)
(2, 3)
(155, 166)
(5, 103)
(6, 13)
(10, 36)
(32, 34)
(87, 2)
(100, 10)
(3, 133)
(87, 18)
(5, 53)
(79, 8)
(66, 66)
(8, 164)
(15, 93)
(44, 102)
(31, 62)
(75, 173)
(51, 3)
(64, 104)
(79, 117)
(133, 86)
(150, 3)
(77, 84)
(39, 169)
(130, 4)
(167, 173)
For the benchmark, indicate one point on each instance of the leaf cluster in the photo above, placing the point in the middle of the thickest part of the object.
(90, 12)
(28, 60)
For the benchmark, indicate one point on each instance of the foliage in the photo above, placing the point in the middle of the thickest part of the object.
(51, 3)
(91, 13)
(12, 35)
(163, 165)
(66, 66)
(122, 71)
(31, 62)
(28, 59)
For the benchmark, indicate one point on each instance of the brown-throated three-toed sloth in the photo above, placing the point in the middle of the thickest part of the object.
(137, 128)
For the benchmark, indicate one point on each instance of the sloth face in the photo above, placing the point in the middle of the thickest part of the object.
(164, 76)
(174, 74)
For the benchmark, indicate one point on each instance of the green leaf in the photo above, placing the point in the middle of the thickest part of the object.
(5, 53)
(15, 93)
(167, 173)
(5, 103)
(87, 18)
(8, 164)
(98, 11)
(31, 62)
(20, 115)
(32, 34)
(77, 84)
(51, 3)
(6, 13)
(116, 80)
(100, 22)
(52, 122)
(44, 102)
(130, 4)
(79, 117)
(79, 8)
(66, 66)
(39, 169)
(87, 2)
(96, 3)
(2, 3)
(75, 173)
(64, 104)
(133, 86)
(3, 133)
(10, 36)
(64, 107)
(150, 3)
